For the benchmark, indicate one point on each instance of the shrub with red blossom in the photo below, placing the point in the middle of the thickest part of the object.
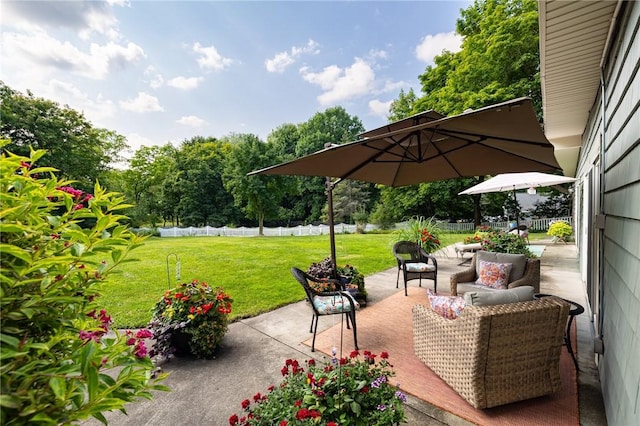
(352, 390)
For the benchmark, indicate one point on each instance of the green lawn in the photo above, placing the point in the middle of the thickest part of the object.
(253, 270)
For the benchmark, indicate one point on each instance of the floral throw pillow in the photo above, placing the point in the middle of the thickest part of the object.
(446, 306)
(493, 274)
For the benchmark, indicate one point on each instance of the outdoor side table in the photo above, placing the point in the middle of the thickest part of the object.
(576, 309)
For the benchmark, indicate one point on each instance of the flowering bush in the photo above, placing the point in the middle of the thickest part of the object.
(194, 311)
(560, 230)
(59, 355)
(504, 242)
(423, 231)
(349, 391)
(480, 234)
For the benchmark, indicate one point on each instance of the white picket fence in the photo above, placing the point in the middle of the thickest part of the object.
(341, 228)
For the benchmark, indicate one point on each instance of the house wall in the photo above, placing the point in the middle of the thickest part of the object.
(613, 273)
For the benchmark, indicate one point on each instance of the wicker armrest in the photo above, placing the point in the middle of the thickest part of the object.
(465, 276)
(531, 276)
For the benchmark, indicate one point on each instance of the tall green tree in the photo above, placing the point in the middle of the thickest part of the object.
(259, 196)
(77, 149)
(499, 59)
(334, 126)
(203, 198)
(142, 182)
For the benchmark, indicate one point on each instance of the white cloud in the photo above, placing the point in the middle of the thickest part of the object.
(185, 83)
(379, 108)
(282, 60)
(142, 103)
(210, 58)
(137, 141)
(86, 17)
(41, 50)
(342, 84)
(98, 109)
(191, 121)
(433, 45)
(378, 54)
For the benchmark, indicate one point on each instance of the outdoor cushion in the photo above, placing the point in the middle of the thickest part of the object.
(489, 298)
(419, 267)
(519, 262)
(494, 274)
(333, 304)
(446, 306)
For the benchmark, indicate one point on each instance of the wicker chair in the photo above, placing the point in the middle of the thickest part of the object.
(413, 261)
(463, 281)
(495, 355)
(327, 303)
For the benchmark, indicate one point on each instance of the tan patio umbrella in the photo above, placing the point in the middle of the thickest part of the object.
(428, 147)
(496, 139)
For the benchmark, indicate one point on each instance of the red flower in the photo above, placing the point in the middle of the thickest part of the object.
(245, 404)
(284, 370)
(354, 354)
(364, 389)
(257, 397)
(233, 420)
(283, 423)
(332, 424)
(298, 403)
(384, 355)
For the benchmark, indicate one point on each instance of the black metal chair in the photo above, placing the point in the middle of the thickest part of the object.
(413, 261)
(327, 303)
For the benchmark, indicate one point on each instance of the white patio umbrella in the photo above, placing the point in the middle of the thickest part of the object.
(514, 181)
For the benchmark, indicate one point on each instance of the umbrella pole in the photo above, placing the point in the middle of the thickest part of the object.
(332, 236)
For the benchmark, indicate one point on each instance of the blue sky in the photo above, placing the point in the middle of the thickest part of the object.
(165, 71)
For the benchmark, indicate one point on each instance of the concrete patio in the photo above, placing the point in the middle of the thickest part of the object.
(254, 351)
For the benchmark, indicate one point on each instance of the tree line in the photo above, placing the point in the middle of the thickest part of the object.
(204, 181)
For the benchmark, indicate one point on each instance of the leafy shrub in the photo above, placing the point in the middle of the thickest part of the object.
(560, 229)
(349, 391)
(61, 363)
(504, 242)
(196, 310)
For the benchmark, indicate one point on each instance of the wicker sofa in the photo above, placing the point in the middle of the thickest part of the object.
(528, 274)
(495, 355)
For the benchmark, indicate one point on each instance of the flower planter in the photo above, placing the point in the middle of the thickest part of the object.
(180, 342)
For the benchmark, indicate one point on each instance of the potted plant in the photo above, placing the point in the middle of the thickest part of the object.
(354, 281)
(350, 279)
(559, 230)
(425, 232)
(190, 319)
(349, 391)
(504, 242)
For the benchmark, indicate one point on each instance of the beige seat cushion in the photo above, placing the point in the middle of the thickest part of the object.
(519, 262)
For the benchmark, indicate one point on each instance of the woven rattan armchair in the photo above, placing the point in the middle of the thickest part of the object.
(463, 281)
(495, 355)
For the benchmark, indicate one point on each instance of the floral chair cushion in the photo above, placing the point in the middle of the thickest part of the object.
(447, 306)
(493, 274)
(419, 267)
(326, 305)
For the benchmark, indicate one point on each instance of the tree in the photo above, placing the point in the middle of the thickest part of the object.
(259, 196)
(142, 181)
(203, 198)
(403, 106)
(349, 198)
(336, 126)
(73, 146)
(499, 59)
